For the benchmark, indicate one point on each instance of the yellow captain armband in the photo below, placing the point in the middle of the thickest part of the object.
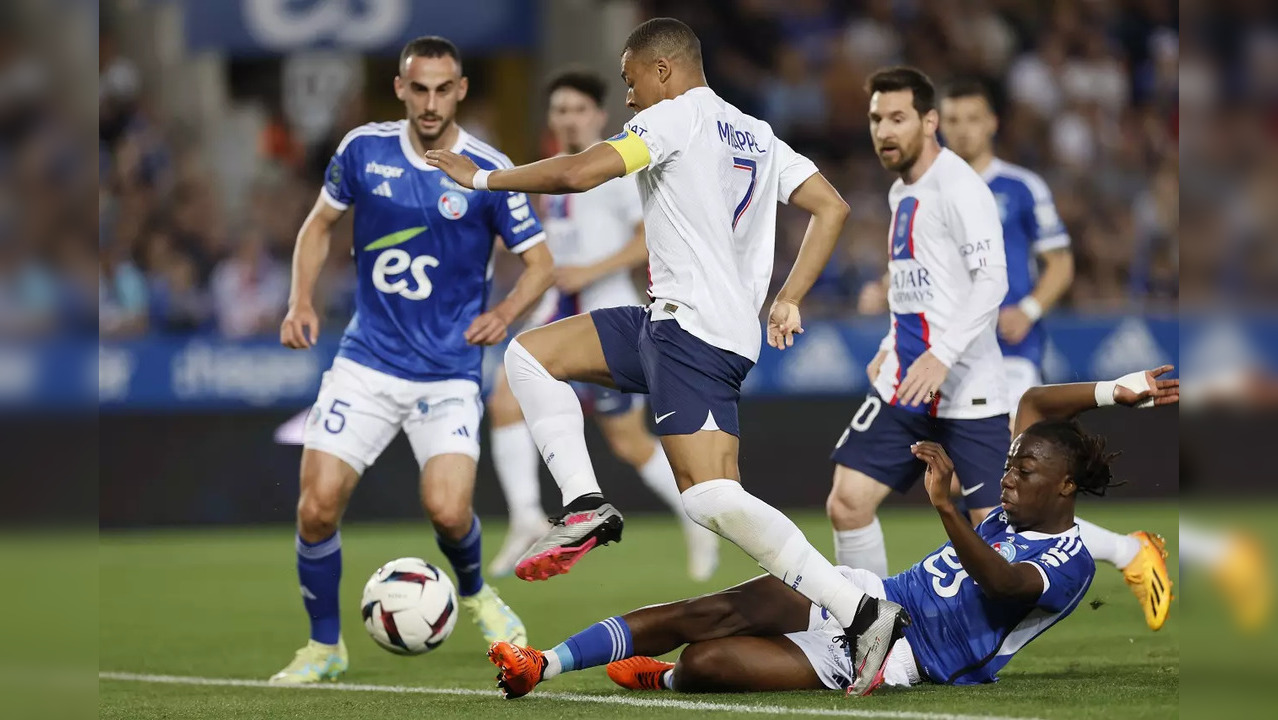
(634, 152)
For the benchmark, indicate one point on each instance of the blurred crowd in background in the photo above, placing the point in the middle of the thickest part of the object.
(1088, 94)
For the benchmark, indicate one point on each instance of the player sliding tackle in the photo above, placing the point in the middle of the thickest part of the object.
(976, 600)
(709, 177)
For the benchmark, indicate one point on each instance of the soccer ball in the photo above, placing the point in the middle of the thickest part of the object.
(409, 606)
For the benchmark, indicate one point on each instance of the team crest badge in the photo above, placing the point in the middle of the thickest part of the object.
(453, 205)
(1007, 550)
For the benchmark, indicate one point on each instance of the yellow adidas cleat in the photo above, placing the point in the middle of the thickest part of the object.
(315, 662)
(496, 621)
(1147, 577)
(1245, 582)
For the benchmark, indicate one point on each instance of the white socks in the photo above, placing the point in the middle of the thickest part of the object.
(553, 415)
(862, 548)
(516, 461)
(1107, 545)
(774, 541)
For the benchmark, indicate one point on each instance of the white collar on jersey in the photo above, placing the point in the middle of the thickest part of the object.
(992, 170)
(417, 161)
(1032, 535)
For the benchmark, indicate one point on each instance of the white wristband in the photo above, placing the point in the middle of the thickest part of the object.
(1032, 308)
(480, 181)
(1105, 393)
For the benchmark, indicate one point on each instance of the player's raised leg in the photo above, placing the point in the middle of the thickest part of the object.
(517, 464)
(763, 606)
(538, 365)
(621, 419)
(444, 441)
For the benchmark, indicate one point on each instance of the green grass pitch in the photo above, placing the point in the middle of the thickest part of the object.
(223, 604)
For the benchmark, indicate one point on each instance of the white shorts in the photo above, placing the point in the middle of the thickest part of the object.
(831, 662)
(360, 410)
(1021, 375)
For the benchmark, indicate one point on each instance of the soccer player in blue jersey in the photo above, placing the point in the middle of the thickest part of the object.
(975, 602)
(410, 357)
(1033, 235)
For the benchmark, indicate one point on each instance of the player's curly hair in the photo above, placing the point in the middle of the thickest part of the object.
(1089, 462)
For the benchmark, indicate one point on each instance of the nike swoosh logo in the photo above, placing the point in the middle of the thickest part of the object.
(663, 417)
(898, 248)
(974, 488)
(395, 238)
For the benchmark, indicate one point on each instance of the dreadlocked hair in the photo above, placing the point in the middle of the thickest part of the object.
(1089, 462)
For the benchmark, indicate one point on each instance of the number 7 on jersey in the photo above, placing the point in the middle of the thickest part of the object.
(752, 166)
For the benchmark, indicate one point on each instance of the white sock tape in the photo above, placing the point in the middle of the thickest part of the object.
(1136, 382)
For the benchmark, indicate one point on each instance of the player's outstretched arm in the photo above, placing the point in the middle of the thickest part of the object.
(490, 327)
(829, 213)
(589, 168)
(300, 328)
(1138, 389)
(996, 577)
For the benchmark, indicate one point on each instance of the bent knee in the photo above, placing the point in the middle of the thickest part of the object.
(851, 504)
(701, 668)
(450, 518)
(318, 514)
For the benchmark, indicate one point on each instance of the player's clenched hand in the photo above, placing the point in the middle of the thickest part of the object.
(783, 324)
(1163, 392)
(940, 471)
(458, 167)
(1013, 324)
(923, 380)
(487, 329)
(300, 328)
(872, 370)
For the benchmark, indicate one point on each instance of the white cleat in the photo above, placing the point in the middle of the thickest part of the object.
(703, 552)
(521, 536)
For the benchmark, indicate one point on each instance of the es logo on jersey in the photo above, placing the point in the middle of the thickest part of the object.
(452, 205)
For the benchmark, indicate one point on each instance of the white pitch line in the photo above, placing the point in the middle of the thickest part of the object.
(642, 702)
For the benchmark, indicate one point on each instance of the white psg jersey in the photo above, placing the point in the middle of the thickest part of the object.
(584, 228)
(945, 231)
(710, 186)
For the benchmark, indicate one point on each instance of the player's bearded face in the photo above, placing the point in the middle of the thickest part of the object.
(430, 89)
(897, 129)
(1033, 480)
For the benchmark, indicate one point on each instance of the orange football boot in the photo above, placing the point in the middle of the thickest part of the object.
(639, 673)
(519, 668)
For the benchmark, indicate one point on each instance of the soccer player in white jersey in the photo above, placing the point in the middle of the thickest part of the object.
(597, 239)
(938, 374)
(1033, 233)
(709, 177)
(411, 356)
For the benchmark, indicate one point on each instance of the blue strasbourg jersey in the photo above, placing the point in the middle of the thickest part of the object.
(1031, 227)
(962, 637)
(423, 250)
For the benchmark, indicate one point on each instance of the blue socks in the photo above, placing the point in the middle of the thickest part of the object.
(319, 569)
(463, 554)
(599, 644)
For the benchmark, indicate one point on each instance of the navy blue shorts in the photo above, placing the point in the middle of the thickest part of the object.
(691, 384)
(877, 443)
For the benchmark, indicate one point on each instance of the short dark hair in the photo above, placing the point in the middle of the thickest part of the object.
(969, 87)
(429, 46)
(665, 37)
(1089, 462)
(898, 78)
(586, 82)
